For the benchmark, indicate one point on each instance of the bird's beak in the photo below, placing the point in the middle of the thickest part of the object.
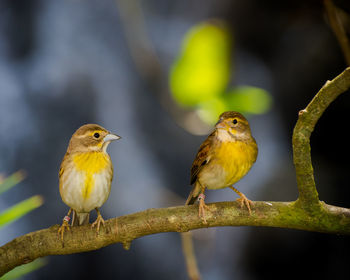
(111, 137)
(220, 124)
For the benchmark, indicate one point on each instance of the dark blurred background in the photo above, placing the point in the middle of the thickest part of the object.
(69, 62)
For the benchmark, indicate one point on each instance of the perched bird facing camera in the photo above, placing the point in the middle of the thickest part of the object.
(223, 159)
(86, 174)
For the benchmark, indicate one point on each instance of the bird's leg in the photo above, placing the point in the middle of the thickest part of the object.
(98, 221)
(202, 205)
(243, 200)
(65, 224)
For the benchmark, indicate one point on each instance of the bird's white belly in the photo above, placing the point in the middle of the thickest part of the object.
(213, 177)
(73, 190)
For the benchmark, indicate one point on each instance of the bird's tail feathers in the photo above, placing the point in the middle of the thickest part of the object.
(193, 194)
(80, 219)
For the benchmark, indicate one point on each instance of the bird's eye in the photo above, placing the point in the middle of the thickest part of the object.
(97, 135)
(235, 121)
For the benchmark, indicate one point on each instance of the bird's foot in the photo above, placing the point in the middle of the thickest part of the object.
(65, 225)
(243, 200)
(202, 207)
(98, 222)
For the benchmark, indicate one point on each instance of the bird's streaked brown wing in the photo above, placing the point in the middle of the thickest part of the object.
(202, 157)
(61, 167)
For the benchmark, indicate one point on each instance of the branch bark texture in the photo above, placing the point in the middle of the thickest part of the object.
(307, 213)
(125, 229)
(305, 125)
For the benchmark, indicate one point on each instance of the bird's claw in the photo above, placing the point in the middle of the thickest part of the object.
(98, 222)
(243, 200)
(62, 228)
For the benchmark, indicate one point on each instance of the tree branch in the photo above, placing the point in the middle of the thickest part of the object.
(307, 213)
(308, 196)
(124, 229)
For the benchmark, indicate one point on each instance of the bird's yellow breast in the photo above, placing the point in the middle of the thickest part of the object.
(91, 163)
(236, 158)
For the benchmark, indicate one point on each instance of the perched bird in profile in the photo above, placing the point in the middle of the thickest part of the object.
(223, 159)
(86, 174)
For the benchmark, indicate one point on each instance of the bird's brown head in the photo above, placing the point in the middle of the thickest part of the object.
(235, 124)
(91, 138)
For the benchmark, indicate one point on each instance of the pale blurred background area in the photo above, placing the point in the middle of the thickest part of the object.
(158, 73)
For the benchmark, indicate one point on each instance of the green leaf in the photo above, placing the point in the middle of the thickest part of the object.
(210, 111)
(248, 100)
(202, 69)
(23, 269)
(18, 210)
(243, 99)
(11, 181)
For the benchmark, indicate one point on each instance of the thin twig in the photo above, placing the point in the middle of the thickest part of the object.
(190, 257)
(338, 29)
(147, 62)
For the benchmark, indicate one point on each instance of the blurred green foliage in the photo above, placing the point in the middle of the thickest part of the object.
(23, 270)
(20, 209)
(11, 181)
(251, 100)
(244, 99)
(15, 212)
(202, 69)
(200, 76)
